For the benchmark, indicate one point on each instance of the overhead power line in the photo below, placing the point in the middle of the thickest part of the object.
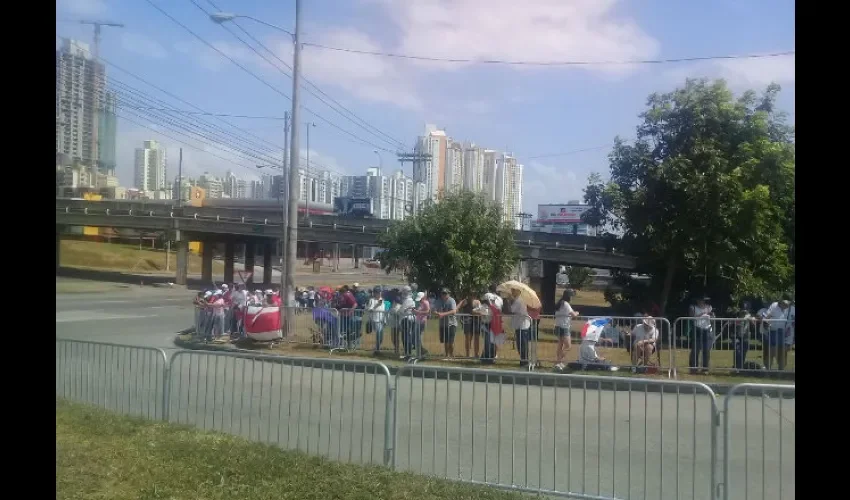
(547, 63)
(334, 105)
(262, 80)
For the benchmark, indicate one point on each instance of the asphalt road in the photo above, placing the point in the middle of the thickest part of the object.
(611, 444)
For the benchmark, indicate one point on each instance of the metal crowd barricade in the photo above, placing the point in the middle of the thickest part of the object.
(745, 345)
(337, 408)
(759, 442)
(121, 378)
(352, 325)
(616, 347)
(559, 435)
(303, 328)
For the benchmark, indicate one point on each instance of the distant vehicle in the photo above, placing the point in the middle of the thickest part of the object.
(562, 279)
(354, 207)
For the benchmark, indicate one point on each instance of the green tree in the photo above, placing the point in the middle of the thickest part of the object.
(580, 277)
(461, 243)
(705, 195)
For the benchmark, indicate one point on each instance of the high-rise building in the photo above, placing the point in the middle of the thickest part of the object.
(212, 185)
(392, 195)
(454, 167)
(488, 177)
(320, 186)
(509, 188)
(431, 172)
(79, 99)
(149, 173)
(234, 187)
(473, 165)
(107, 126)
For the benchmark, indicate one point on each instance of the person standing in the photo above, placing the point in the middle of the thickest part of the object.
(447, 308)
(423, 310)
(778, 319)
(564, 315)
(218, 308)
(521, 324)
(377, 318)
(703, 338)
(408, 321)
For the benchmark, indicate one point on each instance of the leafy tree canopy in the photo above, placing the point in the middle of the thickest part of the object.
(705, 196)
(461, 243)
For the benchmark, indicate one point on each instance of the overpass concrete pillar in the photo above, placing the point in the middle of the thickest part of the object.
(58, 246)
(547, 286)
(228, 261)
(355, 254)
(250, 249)
(336, 256)
(182, 262)
(207, 262)
(268, 249)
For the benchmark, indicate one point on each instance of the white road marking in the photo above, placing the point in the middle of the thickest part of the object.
(80, 316)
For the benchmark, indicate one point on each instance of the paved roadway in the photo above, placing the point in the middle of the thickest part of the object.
(567, 438)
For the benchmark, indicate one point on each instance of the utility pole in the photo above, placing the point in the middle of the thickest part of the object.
(294, 156)
(180, 181)
(284, 212)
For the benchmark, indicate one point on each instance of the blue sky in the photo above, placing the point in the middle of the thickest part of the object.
(530, 111)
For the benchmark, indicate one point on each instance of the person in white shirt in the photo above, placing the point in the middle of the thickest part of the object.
(564, 314)
(644, 336)
(375, 308)
(778, 318)
(521, 324)
(703, 338)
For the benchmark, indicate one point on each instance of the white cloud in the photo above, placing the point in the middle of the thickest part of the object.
(82, 7)
(142, 45)
(549, 184)
(541, 30)
(741, 74)
(366, 77)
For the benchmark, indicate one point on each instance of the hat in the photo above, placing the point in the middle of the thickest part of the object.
(489, 297)
(420, 295)
(269, 291)
(217, 292)
(649, 322)
(444, 291)
(356, 285)
(258, 291)
(224, 286)
(207, 294)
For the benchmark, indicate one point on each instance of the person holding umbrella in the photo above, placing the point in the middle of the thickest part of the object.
(522, 298)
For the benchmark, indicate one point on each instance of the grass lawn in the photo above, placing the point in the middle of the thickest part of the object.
(123, 257)
(104, 456)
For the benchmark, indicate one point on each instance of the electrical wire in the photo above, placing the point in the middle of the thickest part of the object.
(263, 81)
(548, 63)
(347, 114)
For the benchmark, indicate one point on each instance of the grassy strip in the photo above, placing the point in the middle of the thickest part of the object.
(102, 455)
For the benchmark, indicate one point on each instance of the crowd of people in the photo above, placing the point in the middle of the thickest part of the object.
(220, 312)
(403, 312)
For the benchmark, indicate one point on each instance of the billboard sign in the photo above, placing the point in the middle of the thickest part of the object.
(560, 214)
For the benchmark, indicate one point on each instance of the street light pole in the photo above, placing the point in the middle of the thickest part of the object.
(284, 209)
(380, 162)
(294, 155)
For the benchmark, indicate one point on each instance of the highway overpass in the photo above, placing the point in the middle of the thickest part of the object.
(252, 228)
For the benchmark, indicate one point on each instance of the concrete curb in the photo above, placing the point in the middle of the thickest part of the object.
(532, 379)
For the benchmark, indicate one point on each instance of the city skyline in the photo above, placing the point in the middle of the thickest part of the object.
(559, 121)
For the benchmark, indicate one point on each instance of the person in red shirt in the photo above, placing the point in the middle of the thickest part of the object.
(275, 299)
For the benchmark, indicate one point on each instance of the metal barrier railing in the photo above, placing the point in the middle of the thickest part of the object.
(759, 464)
(121, 378)
(567, 435)
(319, 406)
(732, 344)
(563, 435)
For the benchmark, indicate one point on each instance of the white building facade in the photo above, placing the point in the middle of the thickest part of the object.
(149, 168)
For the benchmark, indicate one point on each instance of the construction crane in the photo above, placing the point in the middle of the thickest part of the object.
(97, 25)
